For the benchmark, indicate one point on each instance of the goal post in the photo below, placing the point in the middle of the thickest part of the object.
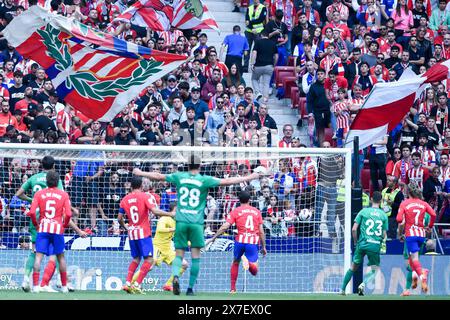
(304, 195)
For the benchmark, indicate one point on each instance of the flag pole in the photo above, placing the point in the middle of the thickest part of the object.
(356, 204)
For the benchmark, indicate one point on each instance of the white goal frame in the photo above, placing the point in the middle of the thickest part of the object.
(243, 151)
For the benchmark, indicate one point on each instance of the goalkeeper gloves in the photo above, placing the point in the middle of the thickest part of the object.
(383, 248)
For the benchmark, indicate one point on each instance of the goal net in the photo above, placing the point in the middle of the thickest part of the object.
(303, 194)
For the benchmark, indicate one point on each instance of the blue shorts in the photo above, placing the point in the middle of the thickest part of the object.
(414, 243)
(141, 247)
(250, 250)
(49, 243)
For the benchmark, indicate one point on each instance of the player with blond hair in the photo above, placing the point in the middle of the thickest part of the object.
(412, 228)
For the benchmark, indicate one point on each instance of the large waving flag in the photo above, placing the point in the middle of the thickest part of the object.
(94, 72)
(161, 15)
(388, 103)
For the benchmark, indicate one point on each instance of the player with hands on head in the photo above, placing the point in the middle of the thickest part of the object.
(373, 225)
(136, 206)
(192, 191)
(249, 223)
(412, 228)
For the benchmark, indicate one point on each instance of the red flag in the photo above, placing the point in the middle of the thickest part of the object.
(161, 15)
(388, 103)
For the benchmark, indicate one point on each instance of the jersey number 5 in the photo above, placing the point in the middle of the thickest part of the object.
(50, 210)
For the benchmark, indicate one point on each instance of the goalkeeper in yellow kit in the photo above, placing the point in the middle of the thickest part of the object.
(163, 248)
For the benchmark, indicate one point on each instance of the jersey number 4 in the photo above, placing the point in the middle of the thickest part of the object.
(249, 225)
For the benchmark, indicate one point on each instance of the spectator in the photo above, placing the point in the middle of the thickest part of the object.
(216, 119)
(234, 78)
(264, 59)
(177, 112)
(124, 136)
(17, 91)
(440, 16)
(209, 89)
(255, 17)
(237, 47)
(38, 83)
(22, 105)
(392, 196)
(277, 32)
(319, 106)
(171, 87)
(42, 119)
(266, 123)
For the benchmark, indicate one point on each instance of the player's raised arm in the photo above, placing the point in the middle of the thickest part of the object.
(150, 175)
(237, 180)
(162, 213)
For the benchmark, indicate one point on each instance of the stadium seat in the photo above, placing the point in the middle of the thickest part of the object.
(365, 180)
(329, 135)
(291, 61)
(288, 83)
(244, 3)
(295, 97)
(302, 107)
(281, 73)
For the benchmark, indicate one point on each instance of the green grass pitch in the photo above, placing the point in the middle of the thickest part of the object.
(156, 295)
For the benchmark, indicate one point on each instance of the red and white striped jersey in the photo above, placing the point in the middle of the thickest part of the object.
(247, 220)
(400, 170)
(284, 144)
(64, 118)
(170, 37)
(412, 214)
(428, 156)
(418, 175)
(137, 206)
(54, 210)
(342, 116)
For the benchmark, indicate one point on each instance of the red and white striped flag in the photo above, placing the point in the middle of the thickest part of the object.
(388, 103)
(161, 15)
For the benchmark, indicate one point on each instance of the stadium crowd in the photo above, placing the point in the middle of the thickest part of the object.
(339, 49)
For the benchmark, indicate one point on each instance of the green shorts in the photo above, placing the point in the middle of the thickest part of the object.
(372, 256)
(185, 232)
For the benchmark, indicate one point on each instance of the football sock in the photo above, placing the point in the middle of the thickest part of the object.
(176, 266)
(169, 281)
(145, 268)
(29, 264)
(195, 269)
(408, 278)
(417, 267)
(347, 278)
(234, 274)
(48, 273)
(131, 269)
(369, 277)
(63, 278)
(35, 279)
(253, 268)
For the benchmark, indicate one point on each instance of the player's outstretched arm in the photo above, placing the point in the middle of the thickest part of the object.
(221, 230)
(162, 213)
(237, 180)
(150, 175)
(262, 236)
